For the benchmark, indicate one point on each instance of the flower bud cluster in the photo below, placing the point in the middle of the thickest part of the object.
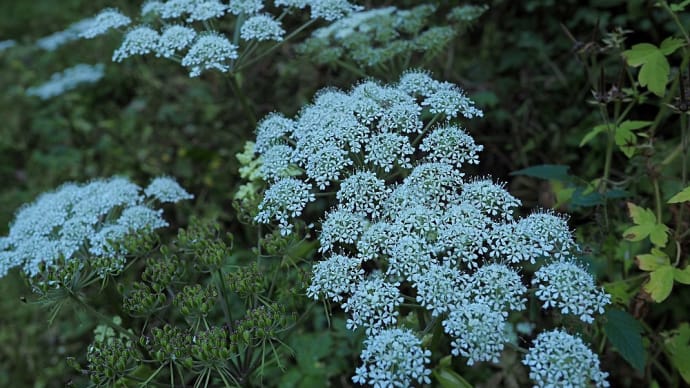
(196, 302)
(259, 325)
(142, 301)
(212, 348)
(169, 344)
(111, 361)
(246, 281)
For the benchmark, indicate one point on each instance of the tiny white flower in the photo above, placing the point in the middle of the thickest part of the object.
(104, 21)
(210, 51)
(262, 27)
(140, 40)
(557, 358)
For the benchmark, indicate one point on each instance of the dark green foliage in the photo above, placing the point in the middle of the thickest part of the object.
(548, 74)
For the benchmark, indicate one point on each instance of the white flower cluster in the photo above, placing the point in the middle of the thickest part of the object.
(209, 50)
(559, 359)
(67, 80)
(567, 286)
(393, 358)
(419, 225)
(100, 24)
(285, 199)
(80, 222)
(373, 304)
(375, 36)
(6, 44)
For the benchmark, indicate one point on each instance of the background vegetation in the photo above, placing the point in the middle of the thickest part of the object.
(546, 73)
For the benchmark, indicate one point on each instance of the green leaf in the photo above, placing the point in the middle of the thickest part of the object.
(626, 138)
(636, 233)
(671, 44)
(654, 69)
(682, 275)
(652, 261)
(634, 125)
(682, 196)
(621, 292)
(680, 7)
(640, 215)
(448, 378)
(624, 332)
(658, 235)
(593, 133)
(677, 344)
(660, 283)
(546, 171)
(626, 141)
(646, 226)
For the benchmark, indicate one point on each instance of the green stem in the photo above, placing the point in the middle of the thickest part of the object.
(351, 68)
(222, 376)
(676, 20)
(224, 294)
(147, 381)
(248, 111)
(244, 65)
(611, 141)
(426, 128)
(657, 199)
(684, 165)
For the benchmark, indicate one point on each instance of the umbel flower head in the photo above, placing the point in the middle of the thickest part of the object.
(67, 80)
(559, 359)
(206, 49)
(375, 36)
(407, 224)
(78, 222)
(393, 357)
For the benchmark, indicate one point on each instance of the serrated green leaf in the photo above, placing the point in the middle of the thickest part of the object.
(682, 196)
(634, 125)
(658, 235)
(624, 332)
(682, 275)
(626, 141)
(655, 68)
(640, 54)
(637, 232)
(646, 226)
(660, 283)
(652, 261)
(671, 44)
(677, 344)
(593, 133)
(640, 215)
(546, 171)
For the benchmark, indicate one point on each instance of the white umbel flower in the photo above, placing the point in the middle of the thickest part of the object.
(210, 51)
(393, 358)
(104, 21)
(559, 359)
(140, 40)
(568, 287)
